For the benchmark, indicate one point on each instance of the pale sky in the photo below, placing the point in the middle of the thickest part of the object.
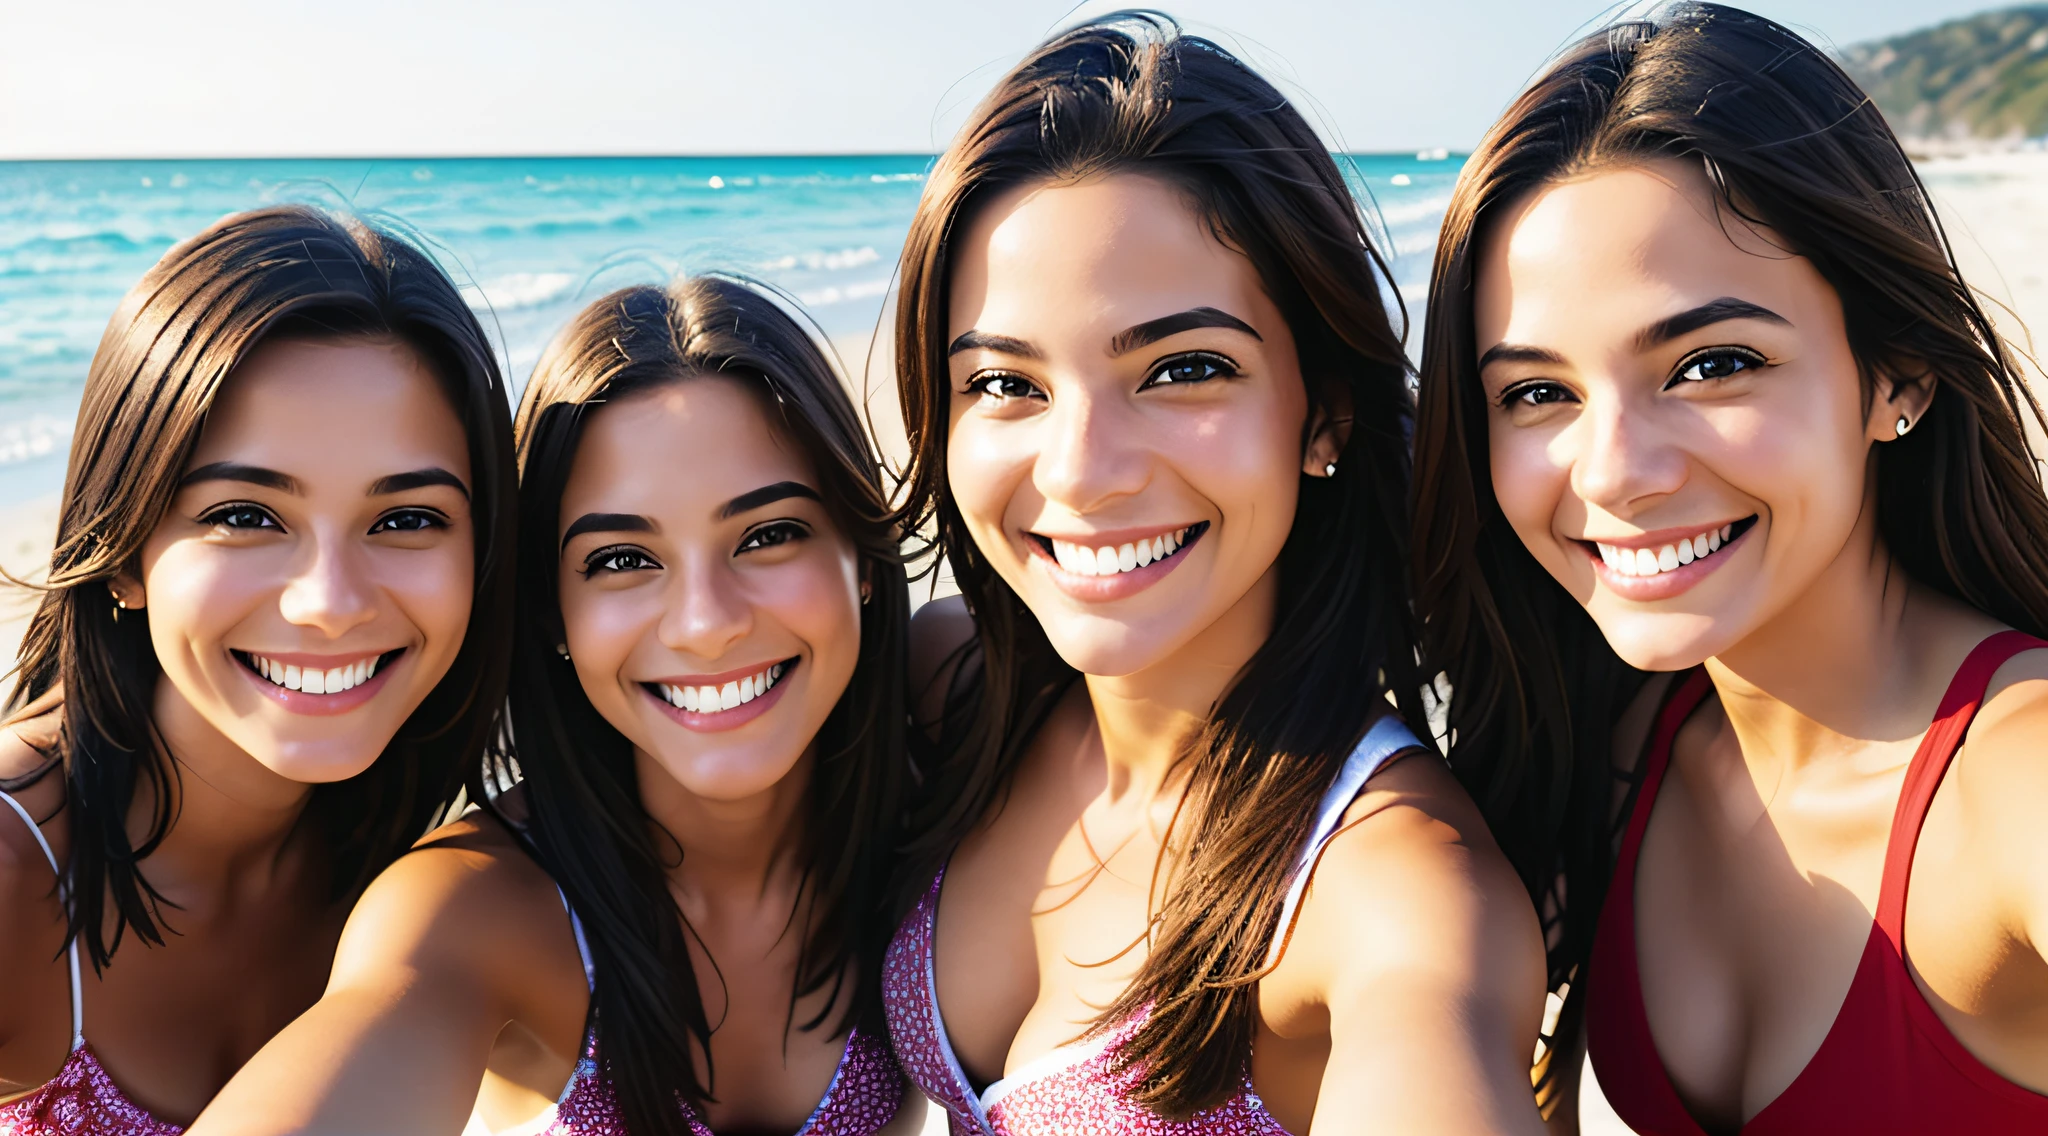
(236, 78)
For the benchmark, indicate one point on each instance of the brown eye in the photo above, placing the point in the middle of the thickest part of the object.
(618, 560)
(1719, 363)
(770, 535)
(1000, 386)
(1197, 368)
(409, 520)
(242, 518)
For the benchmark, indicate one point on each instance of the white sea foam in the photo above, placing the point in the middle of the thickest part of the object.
(826, 297)
(827, 260)
(519, 290)
(40, 436)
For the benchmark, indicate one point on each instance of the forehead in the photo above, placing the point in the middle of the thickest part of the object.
(294, 404)
(1105, 251)
(680, 449)
(1604, 254)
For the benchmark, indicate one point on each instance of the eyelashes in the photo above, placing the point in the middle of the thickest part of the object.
(618, 558)
(1185, 369)
(247, 516)
(1707, 365)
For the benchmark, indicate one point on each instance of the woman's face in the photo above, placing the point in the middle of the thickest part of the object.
(1678, 430)
(712, 608)
(313, 579)
(1127, 418)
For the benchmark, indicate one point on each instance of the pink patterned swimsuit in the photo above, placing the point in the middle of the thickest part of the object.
(862, 1098)
(1074, 1090)
(81, 1100)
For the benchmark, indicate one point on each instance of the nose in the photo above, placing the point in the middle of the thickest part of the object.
(708, 611)
(1622, 460)
(328, 590)
(1091, 452)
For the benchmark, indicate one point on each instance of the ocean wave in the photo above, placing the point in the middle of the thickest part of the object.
(38, 437)
(830, 260)
(520, 290)
(840, 294)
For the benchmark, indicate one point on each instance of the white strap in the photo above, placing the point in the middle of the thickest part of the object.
(63, 893)
(582, 944)
(1387, 737)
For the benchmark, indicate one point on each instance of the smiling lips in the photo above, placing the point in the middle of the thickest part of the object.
(1110, 560)
(1649, 562)
(315, 680)
(717, 699)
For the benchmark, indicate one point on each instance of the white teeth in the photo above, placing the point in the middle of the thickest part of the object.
(712, 699)
(1645, 562)
(1081, 560)
(332, 680)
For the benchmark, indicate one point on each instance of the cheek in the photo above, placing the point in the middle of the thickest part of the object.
(1529, 479)
(985, 464)
(436, 588)
(603, 625)
(199, 593)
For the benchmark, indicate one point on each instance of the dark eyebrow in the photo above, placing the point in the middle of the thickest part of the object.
(606, 522)
(1692, 319)
(767, 495)
(989, 341)
(418, 479)
(236, 471)
(1519, 353)
(1154, 330)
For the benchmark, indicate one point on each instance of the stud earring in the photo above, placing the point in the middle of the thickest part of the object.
(120, 605)
(1330, 470)
(562, 649)
(867, 592)
(1904, 425)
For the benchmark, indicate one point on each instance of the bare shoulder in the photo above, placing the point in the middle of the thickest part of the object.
(1413, 884)
(467, 900)
(28, 763)
(940, 632)
(2000, 777)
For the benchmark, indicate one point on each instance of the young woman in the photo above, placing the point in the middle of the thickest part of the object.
(1703, 393)
(684, 900)
(264, 655)
(1183, 868)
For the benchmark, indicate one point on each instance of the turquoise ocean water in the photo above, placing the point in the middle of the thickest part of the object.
(530, 239)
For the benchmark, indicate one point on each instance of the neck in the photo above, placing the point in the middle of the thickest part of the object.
(1845, 665)
(233, 818)
(1146, 717)
(743, 848)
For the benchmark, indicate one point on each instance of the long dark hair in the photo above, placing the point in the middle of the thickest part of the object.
(1130, 94)
(251, 277)
(1791, 145)
(587, 825)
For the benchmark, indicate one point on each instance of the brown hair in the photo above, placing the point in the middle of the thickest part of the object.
(587, 826)
(1130, 94)
(285, 271)
(1793, 147)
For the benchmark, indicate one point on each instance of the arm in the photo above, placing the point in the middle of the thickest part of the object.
(35, 983)
(444, 949)
(1421, 944)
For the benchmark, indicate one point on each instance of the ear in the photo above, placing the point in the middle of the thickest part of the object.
(1329, 428)
(1905, 391)
(128, 592)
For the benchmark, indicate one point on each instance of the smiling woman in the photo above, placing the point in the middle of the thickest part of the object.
(670, 916)
(1703, 392)
(266, 652)
(1180, 865)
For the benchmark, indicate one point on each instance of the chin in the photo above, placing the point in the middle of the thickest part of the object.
(1662, 642)
(1110, 651)
(318, 764)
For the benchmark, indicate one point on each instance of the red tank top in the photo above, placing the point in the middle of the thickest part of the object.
(1888, 1064)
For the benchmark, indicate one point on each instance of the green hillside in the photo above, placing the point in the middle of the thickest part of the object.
(1983, 76)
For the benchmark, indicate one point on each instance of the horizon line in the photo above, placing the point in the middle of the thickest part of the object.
(548, 155)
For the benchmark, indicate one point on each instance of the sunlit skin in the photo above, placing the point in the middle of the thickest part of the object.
(1656, 367)
(1118, 373)
(324, 519)
(457, 986)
